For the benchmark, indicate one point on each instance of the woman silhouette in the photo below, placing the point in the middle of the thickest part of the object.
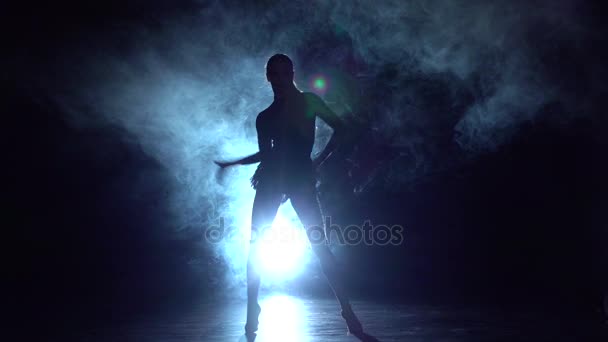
(286, 133)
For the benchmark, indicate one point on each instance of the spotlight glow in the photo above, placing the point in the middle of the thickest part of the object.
(283, 249)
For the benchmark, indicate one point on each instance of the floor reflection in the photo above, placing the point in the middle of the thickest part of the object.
(283, 318)
(286, 318)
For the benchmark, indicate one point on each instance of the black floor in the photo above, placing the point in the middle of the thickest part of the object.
(286, 318)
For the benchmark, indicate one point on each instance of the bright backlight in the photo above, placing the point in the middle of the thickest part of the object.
(283, 249)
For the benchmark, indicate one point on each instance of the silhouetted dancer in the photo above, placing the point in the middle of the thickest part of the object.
(286, 133)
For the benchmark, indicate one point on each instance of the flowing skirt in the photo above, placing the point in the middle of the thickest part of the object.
(285, 177)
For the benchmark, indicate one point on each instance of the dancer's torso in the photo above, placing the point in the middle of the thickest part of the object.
(290, 125)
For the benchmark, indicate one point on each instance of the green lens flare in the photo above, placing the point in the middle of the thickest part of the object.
(319, 83)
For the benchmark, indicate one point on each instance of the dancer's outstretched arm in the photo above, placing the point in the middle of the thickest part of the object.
(264, 145)
(252, 159)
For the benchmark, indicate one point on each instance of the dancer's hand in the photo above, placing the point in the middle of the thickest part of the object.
(222, 164)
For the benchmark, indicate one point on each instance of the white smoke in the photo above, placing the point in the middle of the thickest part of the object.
(189, 88)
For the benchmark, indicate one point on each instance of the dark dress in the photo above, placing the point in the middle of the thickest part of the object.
(287, 165)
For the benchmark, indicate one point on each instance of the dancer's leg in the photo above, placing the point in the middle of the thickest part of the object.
(265, 206)
(306, 205)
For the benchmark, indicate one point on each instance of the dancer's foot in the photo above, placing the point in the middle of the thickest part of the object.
(354, 326)
(253, 315)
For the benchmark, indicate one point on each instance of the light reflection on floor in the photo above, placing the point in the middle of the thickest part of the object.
(283, 318)
(286, 318)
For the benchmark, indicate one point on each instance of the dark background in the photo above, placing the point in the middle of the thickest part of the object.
(524, 223)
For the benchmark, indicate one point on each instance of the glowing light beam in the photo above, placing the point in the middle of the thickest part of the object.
(284, 248)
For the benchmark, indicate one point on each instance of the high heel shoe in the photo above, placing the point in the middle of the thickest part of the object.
(253, 315)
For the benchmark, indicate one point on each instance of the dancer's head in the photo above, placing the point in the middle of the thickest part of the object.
(279, 72)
